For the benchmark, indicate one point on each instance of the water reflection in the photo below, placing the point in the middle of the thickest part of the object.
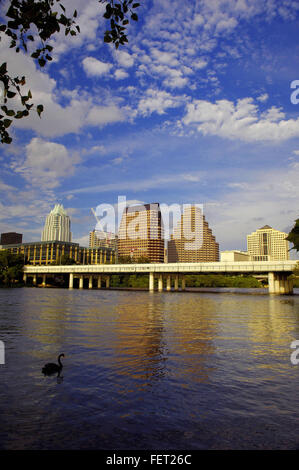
(202, 370)
(140, 347)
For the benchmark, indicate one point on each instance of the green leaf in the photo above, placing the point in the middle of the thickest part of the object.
(134, 17)
(42, 62)
(10, 112)
(35, 55)
(19, 115)
(107, 38)
(7, 123)
(10, 94)
(39, 109)
(3, 68)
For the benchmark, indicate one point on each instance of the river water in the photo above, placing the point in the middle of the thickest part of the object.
(200, 370)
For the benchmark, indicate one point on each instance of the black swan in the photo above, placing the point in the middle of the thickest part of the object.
(52, 368)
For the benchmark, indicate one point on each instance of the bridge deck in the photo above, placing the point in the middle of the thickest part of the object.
(176, 268)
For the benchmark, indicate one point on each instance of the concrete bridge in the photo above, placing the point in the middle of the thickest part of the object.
(173, 273)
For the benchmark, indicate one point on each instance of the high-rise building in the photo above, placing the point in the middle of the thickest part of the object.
(192, 240)
(99, 239)
(57, 226)
(141, 233)
(268, 244)
(10, 237)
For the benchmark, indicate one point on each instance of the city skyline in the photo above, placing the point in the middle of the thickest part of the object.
(195, 108)
(181, 227)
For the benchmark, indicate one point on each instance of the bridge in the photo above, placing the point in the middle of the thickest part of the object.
(171, 274)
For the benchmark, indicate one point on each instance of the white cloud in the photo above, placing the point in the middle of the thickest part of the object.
(124, 59)
(83, 108)
(142, 185)
(6, 187)
(200, 64)
(240, 121)
(120, 74)
(158, 101)
(166, 58)
(102, 115)
(262, 98)
(94, 67)
(90, 19)
(46, 163)
(259, 199)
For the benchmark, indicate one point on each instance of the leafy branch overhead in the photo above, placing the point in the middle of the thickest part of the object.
(118, 13)
(36, 22)
(293, 236)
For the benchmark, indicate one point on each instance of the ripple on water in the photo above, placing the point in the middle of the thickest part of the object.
(199, 370)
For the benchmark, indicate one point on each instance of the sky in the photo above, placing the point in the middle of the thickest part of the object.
(197, 108)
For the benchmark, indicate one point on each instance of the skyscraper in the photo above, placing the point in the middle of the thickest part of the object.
(268, 244)
(141, 233)
(192, 240)
(57, 226)
(99, 239)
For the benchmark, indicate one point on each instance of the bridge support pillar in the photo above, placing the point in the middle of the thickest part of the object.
(71, 281)
(151, 282)
(25, 278)
(168, 283)
(90, 282)
(183, 281)
(81, 279)
(107, 282)
(160, 283)
(34, 279)
(176, 282)
(280, 284)
(99, 282)
(44, 281)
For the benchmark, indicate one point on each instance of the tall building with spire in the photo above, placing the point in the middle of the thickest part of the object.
(57, 226)
(192, 240)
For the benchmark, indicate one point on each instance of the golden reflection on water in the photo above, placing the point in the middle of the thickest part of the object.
(270, 333)
(141, 335)
(206, 368)
(151, 333)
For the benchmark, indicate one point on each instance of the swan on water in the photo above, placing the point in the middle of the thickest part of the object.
(52, 368)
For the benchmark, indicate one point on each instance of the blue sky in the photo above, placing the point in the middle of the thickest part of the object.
(195, 109)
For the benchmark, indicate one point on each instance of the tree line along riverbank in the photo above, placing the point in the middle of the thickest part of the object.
(11, 274)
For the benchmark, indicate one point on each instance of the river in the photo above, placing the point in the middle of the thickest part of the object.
(200, 370)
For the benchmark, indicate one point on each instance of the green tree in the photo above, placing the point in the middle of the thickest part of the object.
(31, 21)
(293, 236)
(65, 259)
(11, 267)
